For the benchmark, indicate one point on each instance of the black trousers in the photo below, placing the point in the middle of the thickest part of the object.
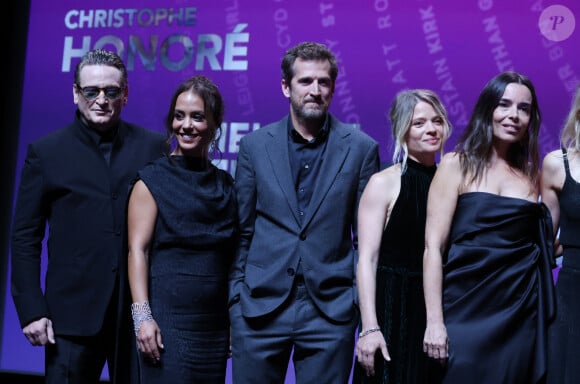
(81, 359)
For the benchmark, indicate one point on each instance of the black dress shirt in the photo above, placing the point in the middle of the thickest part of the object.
(306, 157)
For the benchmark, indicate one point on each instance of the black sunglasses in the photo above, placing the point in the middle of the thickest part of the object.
(91, 93)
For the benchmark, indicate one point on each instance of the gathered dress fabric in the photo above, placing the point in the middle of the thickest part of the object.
(565, 333)
(498, 293)
(400, 303)
(189, 260)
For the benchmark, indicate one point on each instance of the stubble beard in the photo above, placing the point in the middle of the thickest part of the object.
(309, 114)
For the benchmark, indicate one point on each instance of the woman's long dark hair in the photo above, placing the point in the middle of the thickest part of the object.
(475, 145)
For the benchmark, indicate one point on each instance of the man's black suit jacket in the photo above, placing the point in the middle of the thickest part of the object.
(66, 183)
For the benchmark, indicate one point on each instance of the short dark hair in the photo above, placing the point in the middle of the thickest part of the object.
(307, 51)
(101, 57)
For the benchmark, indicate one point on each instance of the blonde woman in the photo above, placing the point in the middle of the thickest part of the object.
(561, 193)
(391, 244)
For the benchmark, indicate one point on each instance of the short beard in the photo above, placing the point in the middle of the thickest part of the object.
(308, 114)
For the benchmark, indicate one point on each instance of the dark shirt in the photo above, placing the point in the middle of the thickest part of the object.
(305, 162)
(306, 158)
(103, 140)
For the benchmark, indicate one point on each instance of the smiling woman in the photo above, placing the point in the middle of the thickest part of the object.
(182, 233)
(391, 227)
(483, 210)
(192, 129)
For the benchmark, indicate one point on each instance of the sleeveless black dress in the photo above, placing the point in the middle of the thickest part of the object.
(400, 303)
(192, 250)
(565, 333)
(497, 291)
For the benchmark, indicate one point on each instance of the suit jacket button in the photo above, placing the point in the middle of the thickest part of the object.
(290, 271)
(302, 236)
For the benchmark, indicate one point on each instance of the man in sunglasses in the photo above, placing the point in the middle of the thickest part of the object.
(76, 180)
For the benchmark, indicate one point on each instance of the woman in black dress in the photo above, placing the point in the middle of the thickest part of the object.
(488, 284)
(391, 223)
(182, 235)
(561, 193)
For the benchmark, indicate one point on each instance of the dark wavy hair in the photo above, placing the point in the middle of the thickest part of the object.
(213, 103)
(475, 145)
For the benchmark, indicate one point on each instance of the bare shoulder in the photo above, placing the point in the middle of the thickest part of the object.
(385, 183)
(553, 160)
(553, 172)
(448, 177)
(449, 167)
(552, 178)
(388, 174)
(386, 177)
(450, 160)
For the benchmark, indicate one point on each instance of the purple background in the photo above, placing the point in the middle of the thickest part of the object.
(382, 47)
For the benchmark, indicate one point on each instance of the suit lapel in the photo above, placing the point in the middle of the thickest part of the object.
(277, 150)
(335, 155)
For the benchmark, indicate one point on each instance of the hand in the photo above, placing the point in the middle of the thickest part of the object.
(435, 343)
(39, 332)
(149, 340)
(367, 347)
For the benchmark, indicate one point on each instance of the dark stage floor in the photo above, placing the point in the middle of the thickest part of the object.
(19, 378)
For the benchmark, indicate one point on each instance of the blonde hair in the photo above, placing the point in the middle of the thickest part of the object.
(401, 116)
(570, 137)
